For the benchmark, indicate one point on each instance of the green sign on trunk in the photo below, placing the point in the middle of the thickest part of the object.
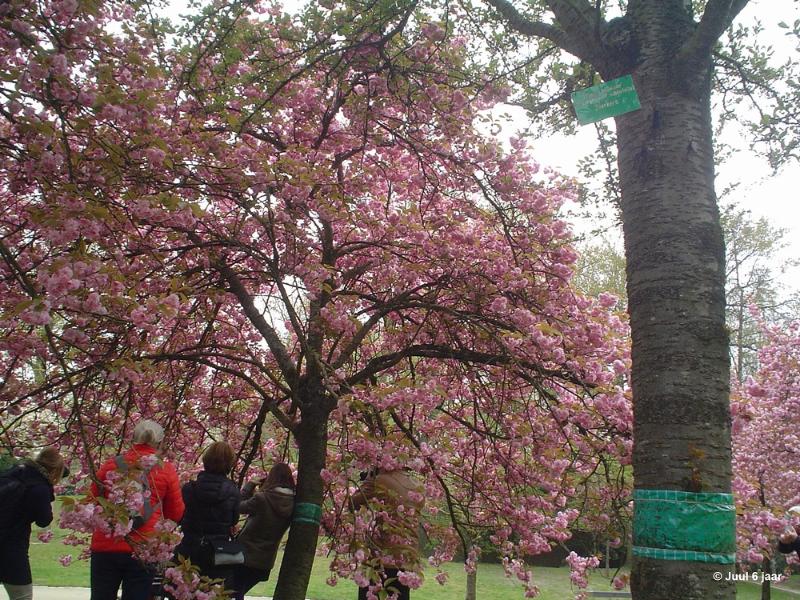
(677, 525)
(609, 99)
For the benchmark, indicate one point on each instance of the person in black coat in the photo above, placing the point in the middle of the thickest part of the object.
(212, 510)
(27, 498)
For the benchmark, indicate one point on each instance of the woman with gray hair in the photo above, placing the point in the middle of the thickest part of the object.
(112, 563)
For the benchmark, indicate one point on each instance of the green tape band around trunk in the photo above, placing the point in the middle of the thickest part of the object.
(675, 525)
(707, 557)
(305, 512)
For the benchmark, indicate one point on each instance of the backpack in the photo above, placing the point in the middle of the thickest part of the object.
(143, 479)
(12, 492)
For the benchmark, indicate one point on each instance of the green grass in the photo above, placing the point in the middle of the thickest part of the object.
(492, 583)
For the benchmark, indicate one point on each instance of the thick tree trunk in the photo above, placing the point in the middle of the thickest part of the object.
(676, 299)
(301, 546)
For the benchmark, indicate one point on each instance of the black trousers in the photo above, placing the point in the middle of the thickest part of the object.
(110, 570)
(390, 584)
(245, 579)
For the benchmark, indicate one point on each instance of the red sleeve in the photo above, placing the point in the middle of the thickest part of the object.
(172, 503)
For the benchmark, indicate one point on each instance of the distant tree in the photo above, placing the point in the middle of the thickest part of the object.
(766, 419)
(600, 269)
(753, 278)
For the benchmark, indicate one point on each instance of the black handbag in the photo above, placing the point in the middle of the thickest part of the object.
(225, 552)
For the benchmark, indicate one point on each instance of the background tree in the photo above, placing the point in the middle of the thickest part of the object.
(600, 269)
(765, 412)
(753, 279)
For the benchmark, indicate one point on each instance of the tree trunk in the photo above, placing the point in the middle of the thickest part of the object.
(301, 546)
(676, 300)
(766, 585)
(472, 584)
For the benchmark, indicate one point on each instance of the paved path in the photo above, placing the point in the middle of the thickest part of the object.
(60, 593)
(77, 593)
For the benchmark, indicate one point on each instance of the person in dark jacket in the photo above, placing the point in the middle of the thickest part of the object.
(269, 513)
(30, 501)
(212, 511)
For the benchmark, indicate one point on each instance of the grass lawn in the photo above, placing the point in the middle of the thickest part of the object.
(492, 583)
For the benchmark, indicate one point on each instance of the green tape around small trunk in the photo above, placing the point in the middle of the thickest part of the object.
(675, 525)
(305, 512)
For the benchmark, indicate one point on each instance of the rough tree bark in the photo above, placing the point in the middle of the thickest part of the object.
(312, 439)
(676, 300)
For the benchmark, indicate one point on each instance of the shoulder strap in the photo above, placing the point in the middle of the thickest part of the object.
(149, 506)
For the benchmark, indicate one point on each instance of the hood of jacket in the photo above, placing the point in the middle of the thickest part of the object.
(281, 499)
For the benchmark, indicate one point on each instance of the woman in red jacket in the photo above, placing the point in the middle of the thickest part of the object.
(112, 563)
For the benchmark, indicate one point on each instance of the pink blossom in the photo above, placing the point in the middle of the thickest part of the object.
(410, 579)
(45, 536)
(155, 156)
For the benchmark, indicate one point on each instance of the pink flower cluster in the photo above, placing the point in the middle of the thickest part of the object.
(159, 545)
(45, 536)
(184, 582)
(111, 514)
(765, 415)
(83, 517)
(579, 567)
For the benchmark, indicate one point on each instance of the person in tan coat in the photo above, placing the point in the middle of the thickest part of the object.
(396, 540)
(269, 513)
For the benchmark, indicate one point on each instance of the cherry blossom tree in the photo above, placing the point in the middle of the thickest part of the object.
(766, 466)
(240, 235)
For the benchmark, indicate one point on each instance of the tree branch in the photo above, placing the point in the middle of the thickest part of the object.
(519, 23)
(236, 287)
(717, 17)
(386, 361)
